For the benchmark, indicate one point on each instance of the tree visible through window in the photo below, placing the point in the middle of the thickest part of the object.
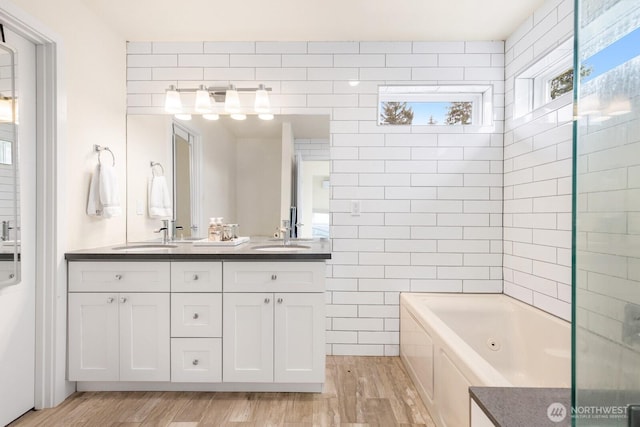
(396, 113)
(459, 113)
(563, 83)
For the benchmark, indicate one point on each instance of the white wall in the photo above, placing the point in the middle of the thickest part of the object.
(312, 149)
(258, 183)
(94, 79)
(431, 197)
(537, 173)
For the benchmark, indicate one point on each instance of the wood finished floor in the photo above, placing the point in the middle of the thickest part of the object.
(359, 391)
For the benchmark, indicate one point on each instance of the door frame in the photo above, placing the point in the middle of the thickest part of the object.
(51, 387)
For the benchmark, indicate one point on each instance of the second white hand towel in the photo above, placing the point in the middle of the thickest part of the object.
(159, 198)
(94, 207)
(109, 192)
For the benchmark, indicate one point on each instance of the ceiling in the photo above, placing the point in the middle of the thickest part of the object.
(314, 20)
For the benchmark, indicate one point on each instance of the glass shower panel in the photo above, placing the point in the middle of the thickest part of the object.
(606, 371)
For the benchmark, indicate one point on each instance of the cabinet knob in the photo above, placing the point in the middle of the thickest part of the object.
(118, 276)
(274, 276)
(11, 276)
(195, 362)
(280, 300)
(123, 300)
(196, 315)
(109, 300)
(267, 300)
(195, 277)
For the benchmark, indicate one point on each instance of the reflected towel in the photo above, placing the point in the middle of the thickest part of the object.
(159, 198)
(109, 192)
(94, 207)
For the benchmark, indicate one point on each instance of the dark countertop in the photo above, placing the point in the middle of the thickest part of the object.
(319, 250)
(522, 407)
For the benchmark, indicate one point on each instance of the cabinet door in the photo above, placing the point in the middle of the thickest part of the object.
(247, 337)
(93, 337)
(299, 338)
(144, 337)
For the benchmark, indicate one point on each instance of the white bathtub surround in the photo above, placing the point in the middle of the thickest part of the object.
(450, 342)
(430, 197)
(537, 173)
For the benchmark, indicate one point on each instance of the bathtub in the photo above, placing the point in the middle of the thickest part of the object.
(449, 342)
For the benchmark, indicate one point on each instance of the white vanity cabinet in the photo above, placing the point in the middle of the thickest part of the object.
(276, 335)
(206, 325)
(118, 321)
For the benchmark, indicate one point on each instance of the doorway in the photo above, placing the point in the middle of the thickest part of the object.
(18, 298)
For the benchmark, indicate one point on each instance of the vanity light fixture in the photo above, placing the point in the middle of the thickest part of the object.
(172, 101)
(229, 96)
(203, 101)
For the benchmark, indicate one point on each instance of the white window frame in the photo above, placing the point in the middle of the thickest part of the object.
(481, 96)
(533, 85)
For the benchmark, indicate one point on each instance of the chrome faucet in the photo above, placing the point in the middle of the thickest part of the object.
(173, 230)
(285, 230)
(165, 231)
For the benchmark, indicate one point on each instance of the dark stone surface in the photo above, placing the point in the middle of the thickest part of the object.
(319, 250)
(522, 407)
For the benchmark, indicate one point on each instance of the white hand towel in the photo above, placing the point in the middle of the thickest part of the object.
(109, 192)
(94, 207)
(159, 198)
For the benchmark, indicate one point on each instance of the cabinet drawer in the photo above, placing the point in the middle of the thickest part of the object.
(119, 276)
(196, 360)
(196, 315)
(274, 276)
(196, 276)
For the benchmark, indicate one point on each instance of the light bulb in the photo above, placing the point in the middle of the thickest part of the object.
(238, 116)
(354, 83)
(203, 101)
(172, 101)
(262, 104)
(182, 116)
(265, 116)
(232, 100)
(211, 116)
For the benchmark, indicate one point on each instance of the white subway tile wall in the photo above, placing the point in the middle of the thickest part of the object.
(431, 198)
(537, 174)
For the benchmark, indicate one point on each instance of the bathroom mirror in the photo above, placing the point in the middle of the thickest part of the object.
(9, 197)
(249, 172)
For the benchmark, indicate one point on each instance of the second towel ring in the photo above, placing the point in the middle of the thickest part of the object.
(100, 149)
(153, 170)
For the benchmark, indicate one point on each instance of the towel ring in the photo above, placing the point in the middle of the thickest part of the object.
(100, 149)
(153, 170)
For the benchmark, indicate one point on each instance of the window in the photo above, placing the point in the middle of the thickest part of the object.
(545, 81)
(5, 153)
(434, 105)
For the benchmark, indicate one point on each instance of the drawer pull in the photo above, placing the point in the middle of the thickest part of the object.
(123, 300)
(195, 277)
(109, 300)
(267, 300)
(280, 300)
(195, 362)
(118, 276)
(196, 315)
(11, 276)
(274, 276)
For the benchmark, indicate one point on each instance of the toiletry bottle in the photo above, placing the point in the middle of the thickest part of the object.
(214, 233)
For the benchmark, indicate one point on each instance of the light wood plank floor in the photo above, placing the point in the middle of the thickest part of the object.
(359, 391)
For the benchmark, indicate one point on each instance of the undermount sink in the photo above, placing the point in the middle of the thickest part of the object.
(145, 247)
(281, 248)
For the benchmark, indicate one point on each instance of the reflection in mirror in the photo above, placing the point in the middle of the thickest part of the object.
(248, 172)
(9, 194)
